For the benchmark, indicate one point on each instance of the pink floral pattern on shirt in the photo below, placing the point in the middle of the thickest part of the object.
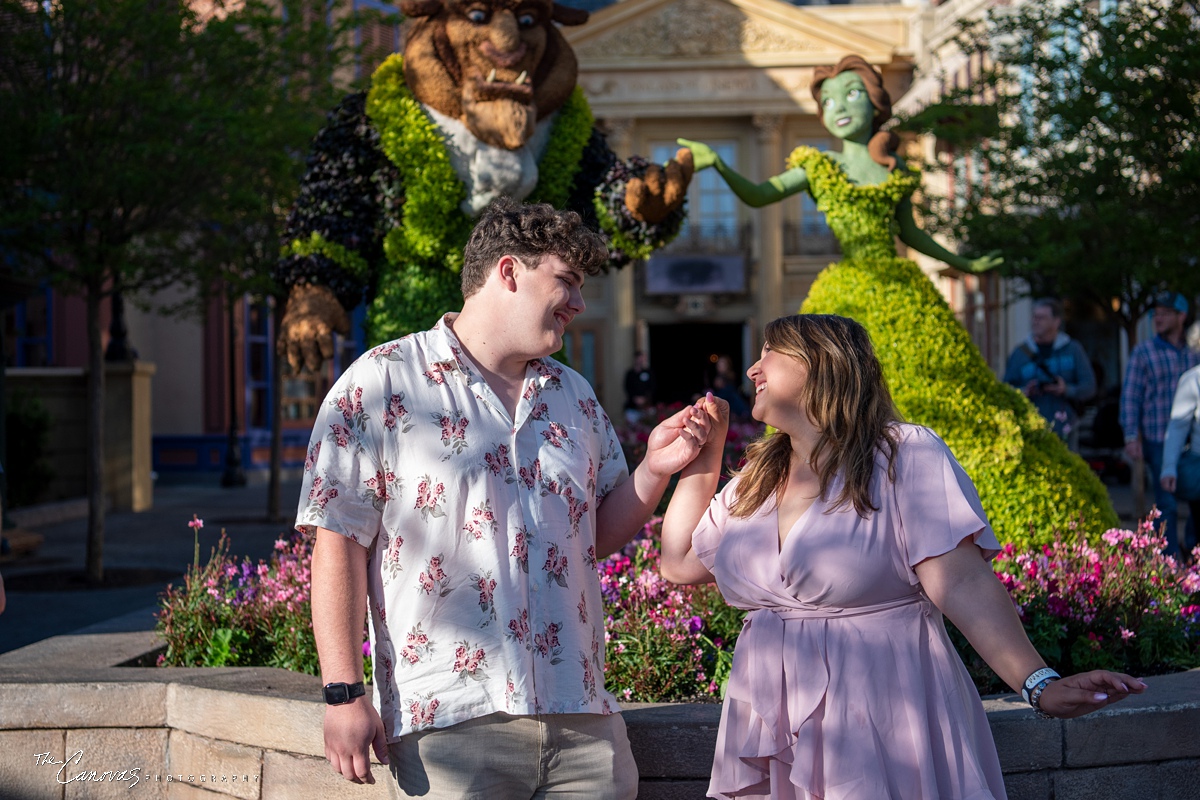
(414, 457)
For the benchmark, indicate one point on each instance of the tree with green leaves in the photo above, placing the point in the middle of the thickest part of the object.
(1084, 131)
(148, 146)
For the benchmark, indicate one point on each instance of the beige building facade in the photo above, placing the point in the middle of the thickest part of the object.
(736, 75)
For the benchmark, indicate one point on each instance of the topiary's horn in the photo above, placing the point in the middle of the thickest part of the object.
(420, 8)
(565, 15)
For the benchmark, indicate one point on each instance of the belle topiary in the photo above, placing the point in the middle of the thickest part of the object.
(1030, 483)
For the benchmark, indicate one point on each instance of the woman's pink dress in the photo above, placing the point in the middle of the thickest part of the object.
(845, 685)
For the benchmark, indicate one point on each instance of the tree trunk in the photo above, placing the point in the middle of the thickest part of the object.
(274, 501)
(95, 438)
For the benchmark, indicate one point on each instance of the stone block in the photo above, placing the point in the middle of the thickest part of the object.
(672, 790)
(29, 764)
(82, 705)
(1025, 743)
(190, 791)
(673, 740)
(293, 777)
(1122, 736)
(103, 650)
(1169, 780)
(116, 764)
(1029, 785)
(217, 765)
(269, 723)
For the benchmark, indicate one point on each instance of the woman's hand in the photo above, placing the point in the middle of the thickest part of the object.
(985, 262)
(718, 415)
(1076, 695)
(703, 156)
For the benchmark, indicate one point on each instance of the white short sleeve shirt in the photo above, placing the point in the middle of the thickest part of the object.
(483, 589)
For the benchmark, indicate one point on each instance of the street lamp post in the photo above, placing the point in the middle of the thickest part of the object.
(234, 474)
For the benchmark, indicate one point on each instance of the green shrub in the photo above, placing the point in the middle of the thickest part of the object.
(25, 466)
(1030, 483)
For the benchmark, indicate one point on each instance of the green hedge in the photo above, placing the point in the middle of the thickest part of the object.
(1030, 483)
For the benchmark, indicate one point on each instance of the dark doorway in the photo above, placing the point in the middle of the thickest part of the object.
(684, 357)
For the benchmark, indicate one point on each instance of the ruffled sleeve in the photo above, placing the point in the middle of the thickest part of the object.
(707, 536)
(936, 504)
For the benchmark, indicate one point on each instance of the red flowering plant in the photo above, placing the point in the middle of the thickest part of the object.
(664, 642)
(229, 613)
(1119, 604)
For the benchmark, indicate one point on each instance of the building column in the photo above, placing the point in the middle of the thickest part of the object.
(770, 235)
(619, 132)
(622, 325)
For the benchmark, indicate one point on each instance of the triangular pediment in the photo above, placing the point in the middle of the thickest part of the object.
(711, 33)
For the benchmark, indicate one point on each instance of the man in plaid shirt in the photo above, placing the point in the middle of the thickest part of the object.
(1150, 381)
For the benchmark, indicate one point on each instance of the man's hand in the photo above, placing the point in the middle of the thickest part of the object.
(306, 331)
(351, 730)
(1168, 483)
(661, 190)
(677, 440)
(1032, 389)
(1133, 449)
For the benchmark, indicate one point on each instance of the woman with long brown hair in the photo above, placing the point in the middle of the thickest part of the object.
(844, 536)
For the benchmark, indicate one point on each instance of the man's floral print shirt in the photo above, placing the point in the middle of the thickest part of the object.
(483, 588)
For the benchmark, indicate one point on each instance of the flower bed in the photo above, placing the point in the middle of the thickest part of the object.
(1120, 604)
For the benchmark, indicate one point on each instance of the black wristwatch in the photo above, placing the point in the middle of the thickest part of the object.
(338, 694)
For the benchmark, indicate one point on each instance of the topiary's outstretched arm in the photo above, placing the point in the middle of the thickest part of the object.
(922, 242)
(752, 194)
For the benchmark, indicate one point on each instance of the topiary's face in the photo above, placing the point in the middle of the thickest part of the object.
(496, 65)
(846, 108)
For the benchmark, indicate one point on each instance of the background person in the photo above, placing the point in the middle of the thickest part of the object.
(462, 486)
(844, 536)
(725, 386)
(639, 388)
(1053, 371)
(1155, 367)
(1183, 428)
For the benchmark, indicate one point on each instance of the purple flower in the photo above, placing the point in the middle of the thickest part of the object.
(367, 648)
(695, 624)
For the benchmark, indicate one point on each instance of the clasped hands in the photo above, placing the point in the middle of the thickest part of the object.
(677, 440)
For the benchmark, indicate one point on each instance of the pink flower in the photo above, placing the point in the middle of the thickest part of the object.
(196, 523)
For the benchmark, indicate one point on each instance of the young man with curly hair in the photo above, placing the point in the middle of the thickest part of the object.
(461, 485)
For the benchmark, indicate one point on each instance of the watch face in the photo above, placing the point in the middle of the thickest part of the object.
(337, 694)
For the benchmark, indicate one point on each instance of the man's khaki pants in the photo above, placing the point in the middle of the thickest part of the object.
(498, 757)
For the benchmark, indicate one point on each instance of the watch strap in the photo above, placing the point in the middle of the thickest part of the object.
(337, 694)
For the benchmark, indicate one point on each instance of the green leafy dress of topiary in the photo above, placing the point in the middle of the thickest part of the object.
(1028, 480)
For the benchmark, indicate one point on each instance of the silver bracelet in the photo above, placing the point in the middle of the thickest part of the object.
(1035, 696)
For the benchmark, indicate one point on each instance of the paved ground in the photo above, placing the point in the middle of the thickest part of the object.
(156, 540)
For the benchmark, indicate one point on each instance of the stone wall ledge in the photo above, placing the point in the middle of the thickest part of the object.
(190, 731)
